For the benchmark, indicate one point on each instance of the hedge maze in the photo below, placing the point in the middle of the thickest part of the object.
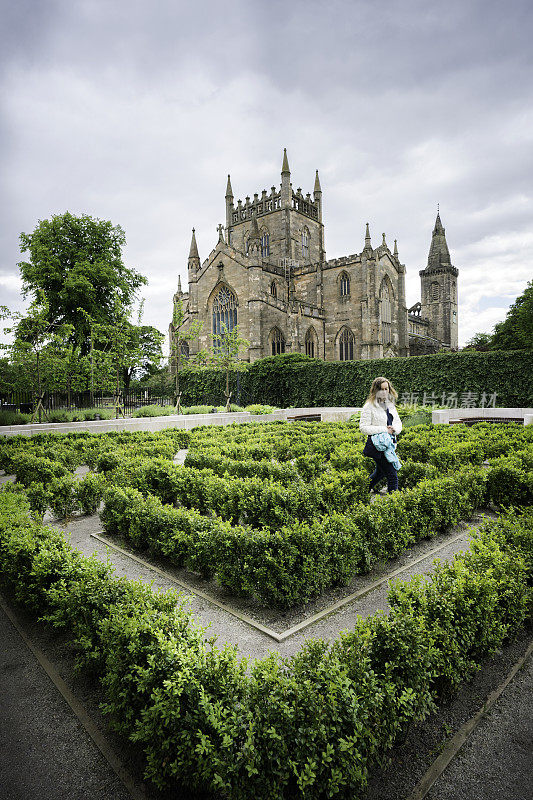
(280, 512)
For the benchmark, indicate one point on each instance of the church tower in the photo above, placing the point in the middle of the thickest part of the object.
(439, 290)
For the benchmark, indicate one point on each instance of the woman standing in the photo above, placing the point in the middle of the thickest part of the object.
(379, 415)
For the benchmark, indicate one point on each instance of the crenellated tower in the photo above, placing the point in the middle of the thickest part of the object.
(289, 222)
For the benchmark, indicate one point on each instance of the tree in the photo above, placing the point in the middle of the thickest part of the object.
(144, 343)
(179, 342)
(226, 348)
(516, 330)
(76, 262)
(479, 341)
(40, 348)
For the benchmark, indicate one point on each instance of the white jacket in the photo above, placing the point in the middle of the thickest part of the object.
(374, 419)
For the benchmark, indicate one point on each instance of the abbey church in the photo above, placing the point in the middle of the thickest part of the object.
(268, 274)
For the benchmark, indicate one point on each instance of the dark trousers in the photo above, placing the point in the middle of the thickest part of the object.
(384, 469)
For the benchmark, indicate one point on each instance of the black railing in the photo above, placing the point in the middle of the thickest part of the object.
(62, 401)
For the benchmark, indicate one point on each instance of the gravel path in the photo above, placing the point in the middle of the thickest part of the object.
(252, 642)
(45, 753)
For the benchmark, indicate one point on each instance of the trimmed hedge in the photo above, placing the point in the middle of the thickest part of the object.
(284, 381)
(295, 561)
(310, 726)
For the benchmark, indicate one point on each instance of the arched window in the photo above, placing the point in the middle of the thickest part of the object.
(346, 345)
(434, 292)
(344, 284)
(385, 297)
(311, 343)
(224, 310)
(184, 348)
(265, 244)
(273, 289)
(278, 342)
(305, 244)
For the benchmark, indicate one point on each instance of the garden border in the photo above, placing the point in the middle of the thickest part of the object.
(278, 637)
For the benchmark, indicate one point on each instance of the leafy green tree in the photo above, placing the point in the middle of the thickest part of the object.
(40, 349)
(145, 348)
(76, 262)
(516, 330)
(479, 341)
(179, 342)
(227, 346)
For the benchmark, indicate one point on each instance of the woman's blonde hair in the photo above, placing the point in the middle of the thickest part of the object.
(376, 386)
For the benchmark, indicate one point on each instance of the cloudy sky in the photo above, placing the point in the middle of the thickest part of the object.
(135, 111)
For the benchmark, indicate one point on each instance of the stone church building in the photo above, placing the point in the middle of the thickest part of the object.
(268, 274)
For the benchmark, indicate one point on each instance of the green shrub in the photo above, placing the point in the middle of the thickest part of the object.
(29, 469)
(154, 411)
(63, 499)
(310, 726)
(39, 499)
(89, 493)
(508, 484)
(14, 418)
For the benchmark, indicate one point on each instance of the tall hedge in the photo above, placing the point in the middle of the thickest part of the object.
(291, 380)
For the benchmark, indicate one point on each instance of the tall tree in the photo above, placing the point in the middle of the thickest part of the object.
(179, 344)
(516, 330)
(227, 346)
(40, 348)
(76, 262)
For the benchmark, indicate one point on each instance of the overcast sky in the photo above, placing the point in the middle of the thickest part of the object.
(135, 111)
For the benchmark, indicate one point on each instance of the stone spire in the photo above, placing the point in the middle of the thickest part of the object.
(229, 207)
(383, 243)
(286, 190)
(439, 255)
(194, 258)
(318, 188)
(179, 284)
(395, 253)
(254, 240)
(229, 190)
(368, 243)
(285, 166)
(254, 230)
(193, 252)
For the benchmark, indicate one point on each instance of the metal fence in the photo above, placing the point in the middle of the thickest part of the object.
(59, 401)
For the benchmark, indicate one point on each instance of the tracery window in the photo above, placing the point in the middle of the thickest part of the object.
(344, 284)
(265, 244)
(224, 310)
(434, 292)
(305, 244)
(386, 312)
(278, 342)
(346, 345)
(311, 343)
(273, 289)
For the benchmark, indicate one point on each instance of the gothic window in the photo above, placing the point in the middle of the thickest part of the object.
(434, 291)
(265, 244)
(346, 345)
(184, 349)
(385, 296)
(311, 343)
(278, 342)
(224, 310)
(344, 284)
(305, 244)
(273, 289)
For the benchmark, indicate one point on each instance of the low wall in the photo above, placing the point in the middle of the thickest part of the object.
(443, 416)
(186, 421)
